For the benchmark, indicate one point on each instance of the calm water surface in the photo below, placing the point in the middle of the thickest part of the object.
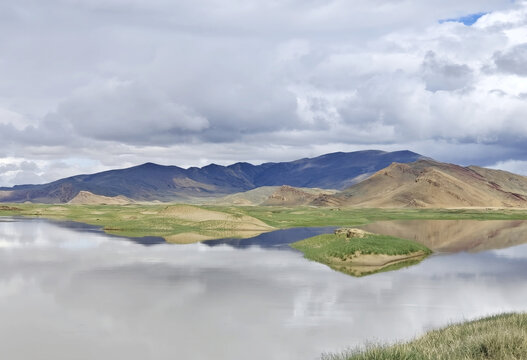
(70, 294)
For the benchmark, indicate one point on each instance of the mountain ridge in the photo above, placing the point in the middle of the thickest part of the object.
(428, 183)
(150, 182)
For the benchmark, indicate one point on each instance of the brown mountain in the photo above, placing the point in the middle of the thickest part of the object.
(268, 195)
(432, 184)
(290, 196)
(87, 198)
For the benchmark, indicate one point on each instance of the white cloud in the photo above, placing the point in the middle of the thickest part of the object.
(514, 166)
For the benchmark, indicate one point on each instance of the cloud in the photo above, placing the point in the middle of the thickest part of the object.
(13, 172)
(513, 60)
(514, 166)
(445, 75)
(98, 84)
(128, 112)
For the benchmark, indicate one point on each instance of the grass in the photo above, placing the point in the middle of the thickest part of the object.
(347, 254)
(132, 220)
(138, 220)
(283, 217)
(341, 247)
(501, 337)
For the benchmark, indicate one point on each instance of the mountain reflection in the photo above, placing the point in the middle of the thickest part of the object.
(456, 235)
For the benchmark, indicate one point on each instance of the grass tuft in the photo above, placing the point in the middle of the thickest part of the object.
(501, 337)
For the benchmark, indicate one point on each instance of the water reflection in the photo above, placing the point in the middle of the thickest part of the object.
(275, 239)
(87, 228)
(84, 295)
(456, 235)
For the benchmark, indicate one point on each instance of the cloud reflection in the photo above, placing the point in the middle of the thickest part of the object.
(119, 299)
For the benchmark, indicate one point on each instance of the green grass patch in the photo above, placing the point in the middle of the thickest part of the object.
(134, 220)
(347, 254)
(497, 337)
(342, 247)
(283, 217)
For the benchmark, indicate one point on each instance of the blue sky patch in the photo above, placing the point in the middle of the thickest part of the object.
(467, 19)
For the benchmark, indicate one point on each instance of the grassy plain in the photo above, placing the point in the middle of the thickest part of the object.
(175, 223)
(498, 337)
(281, 217)
(170, 220)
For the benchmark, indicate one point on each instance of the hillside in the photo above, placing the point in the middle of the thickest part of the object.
(289, 196)
(284, 195)
(245, 198)
(152, 182)
(431, 184)
(87, 198)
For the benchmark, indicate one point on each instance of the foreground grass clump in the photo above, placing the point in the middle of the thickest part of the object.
(362, 255)
(498, 337)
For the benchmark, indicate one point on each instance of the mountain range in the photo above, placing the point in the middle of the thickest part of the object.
(424, 183)
(151, 182)
(374, 179)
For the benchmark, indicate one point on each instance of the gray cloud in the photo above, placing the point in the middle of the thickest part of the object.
(513, 61)
(444, 75)
(129, 113)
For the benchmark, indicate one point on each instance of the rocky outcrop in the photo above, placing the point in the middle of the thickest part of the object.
(352, 233)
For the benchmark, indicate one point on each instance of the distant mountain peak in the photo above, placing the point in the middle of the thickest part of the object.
(149, 165)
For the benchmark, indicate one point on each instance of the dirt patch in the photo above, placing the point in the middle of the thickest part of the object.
(214, 219)
(193, 213)
(191, 237)
(187, 238)
(9, 208)
(57, 208)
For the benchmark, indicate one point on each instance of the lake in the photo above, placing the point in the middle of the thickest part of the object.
(73, 292)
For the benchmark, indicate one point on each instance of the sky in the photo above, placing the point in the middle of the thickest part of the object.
(91, 85)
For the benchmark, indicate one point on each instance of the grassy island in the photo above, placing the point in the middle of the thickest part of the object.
(493, 338)
(358, 253)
